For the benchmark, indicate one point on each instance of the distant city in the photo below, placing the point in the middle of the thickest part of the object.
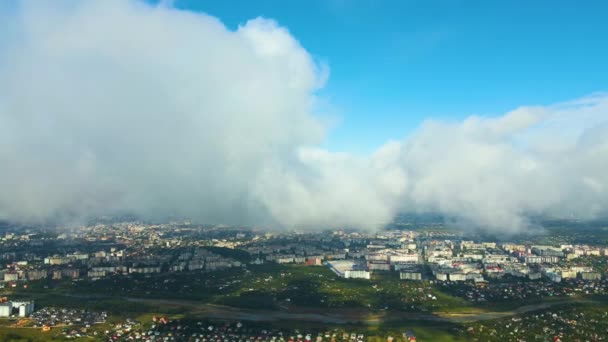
(303, 171)
(416, 271)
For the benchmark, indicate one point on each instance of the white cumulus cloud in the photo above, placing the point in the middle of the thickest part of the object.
(110, 106)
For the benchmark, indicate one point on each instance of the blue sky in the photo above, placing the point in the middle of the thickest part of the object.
(396, 63)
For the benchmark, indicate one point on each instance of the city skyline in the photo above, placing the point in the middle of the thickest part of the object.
(303, 171)
(160, 109)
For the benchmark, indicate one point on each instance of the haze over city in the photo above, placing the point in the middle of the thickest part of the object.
(303, 171)
(166, 109)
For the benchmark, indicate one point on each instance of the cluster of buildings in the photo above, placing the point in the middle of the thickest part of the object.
(125, 248)
(202, 259)
(53, 317)
(524, 290)
(561, 325)
(163, 329)
(306, 249)
(102, 264)
(349, 255)
(471, 261)
(15, 308)
(418, 257)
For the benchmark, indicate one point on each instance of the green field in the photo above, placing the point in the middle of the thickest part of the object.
(273, 287)
(267, 286)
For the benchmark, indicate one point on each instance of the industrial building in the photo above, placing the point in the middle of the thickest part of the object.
(348, 269)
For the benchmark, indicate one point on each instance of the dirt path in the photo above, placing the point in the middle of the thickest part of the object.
(484, 316)
(340, 316)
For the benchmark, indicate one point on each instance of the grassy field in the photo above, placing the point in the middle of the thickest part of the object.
(424, 331)
(574, 321)
(319, 287)
(264, 286)
(267, 286)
